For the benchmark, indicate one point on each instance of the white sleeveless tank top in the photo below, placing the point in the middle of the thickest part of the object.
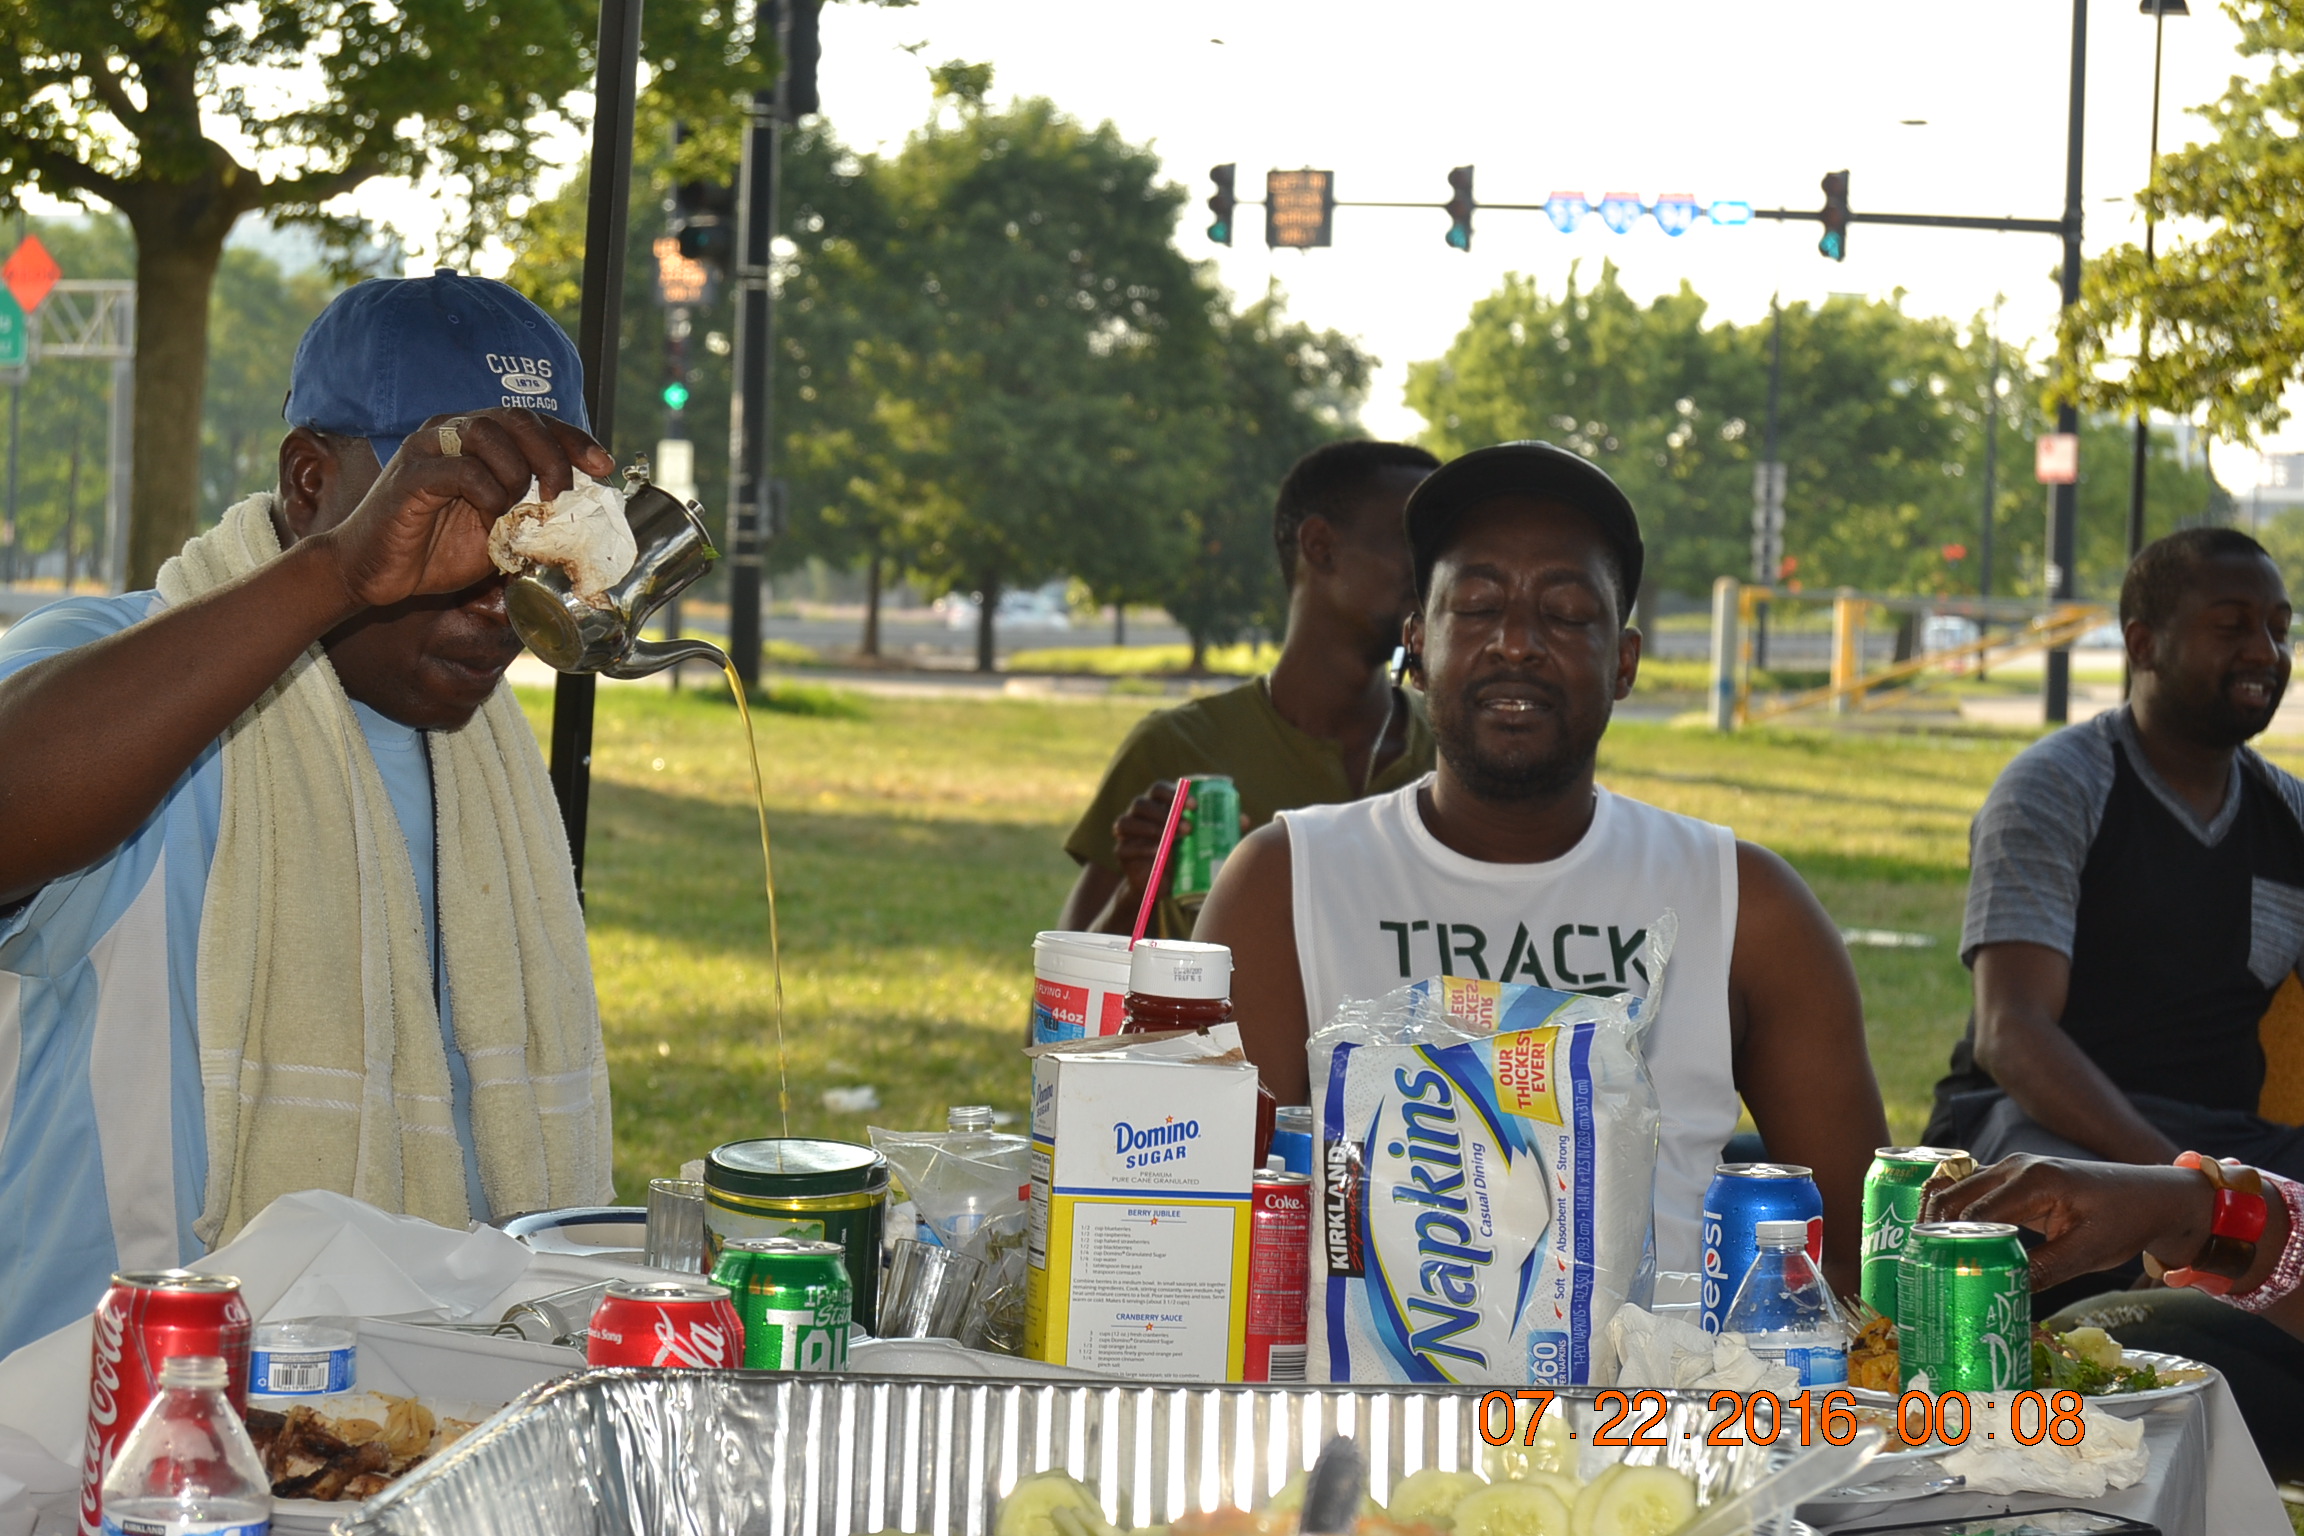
(1381, 902)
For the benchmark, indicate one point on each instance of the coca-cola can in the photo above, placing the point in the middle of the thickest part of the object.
(1279, 1274)
(146, 1317)
(665, 1322)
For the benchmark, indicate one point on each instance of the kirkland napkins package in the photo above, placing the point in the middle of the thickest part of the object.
(1485, 1162)
(1143, 1156)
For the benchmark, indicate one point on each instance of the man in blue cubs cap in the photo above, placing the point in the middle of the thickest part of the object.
(285, 901)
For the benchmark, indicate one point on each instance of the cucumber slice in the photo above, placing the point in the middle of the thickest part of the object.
(1587, 1505)
(1030, 1508)
(1430, 1497)
(1513, 1509)
(1642, 1501)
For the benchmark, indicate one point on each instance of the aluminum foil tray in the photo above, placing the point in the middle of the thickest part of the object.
(643, 1451)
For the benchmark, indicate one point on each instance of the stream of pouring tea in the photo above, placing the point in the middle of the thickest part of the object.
(768, 874)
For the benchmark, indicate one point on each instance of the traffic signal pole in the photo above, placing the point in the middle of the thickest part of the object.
(2064, 499)
(750, 409)
(599, 322)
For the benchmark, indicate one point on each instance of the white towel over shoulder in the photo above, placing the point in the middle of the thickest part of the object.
(322, 1065)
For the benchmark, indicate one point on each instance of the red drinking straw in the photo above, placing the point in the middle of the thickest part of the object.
(1160, 860)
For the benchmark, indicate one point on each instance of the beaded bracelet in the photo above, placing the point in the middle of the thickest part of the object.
(2287, 1275)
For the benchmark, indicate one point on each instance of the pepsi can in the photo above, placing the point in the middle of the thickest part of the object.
(1741, 1197)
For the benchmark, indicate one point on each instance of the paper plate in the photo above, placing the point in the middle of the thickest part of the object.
(2197, 1376)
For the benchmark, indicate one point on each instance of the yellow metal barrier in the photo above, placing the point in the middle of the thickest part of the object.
(1852, 689)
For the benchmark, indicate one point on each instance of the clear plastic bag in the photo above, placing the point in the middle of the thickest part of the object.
(971, 1187)
(1484, 1162)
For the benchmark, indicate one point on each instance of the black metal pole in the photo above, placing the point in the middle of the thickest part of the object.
(1768, 502)
(2136, 486)
(750, 411)
(2064, 500)
(615, 85)
(1991, 465)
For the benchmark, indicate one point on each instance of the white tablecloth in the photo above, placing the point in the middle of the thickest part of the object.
(2205, 1480)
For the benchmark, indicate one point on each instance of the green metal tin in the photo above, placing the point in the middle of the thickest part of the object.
(828, 1191)
(1892, 1192)
(1211, 832)
(794, 1299)
(1964, 1304)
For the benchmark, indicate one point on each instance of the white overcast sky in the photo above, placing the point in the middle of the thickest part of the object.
(1749, 101)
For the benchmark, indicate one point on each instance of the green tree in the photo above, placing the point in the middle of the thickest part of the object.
(1279, 389)
(1881, 422)
(113, 104)
(2220, 304)
(1040, 351)
(257, 315)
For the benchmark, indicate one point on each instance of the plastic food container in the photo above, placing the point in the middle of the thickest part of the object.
(825, 1191)
(615, 1451)
(1079, 985)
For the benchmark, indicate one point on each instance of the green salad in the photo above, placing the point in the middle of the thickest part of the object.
(2088, 1361)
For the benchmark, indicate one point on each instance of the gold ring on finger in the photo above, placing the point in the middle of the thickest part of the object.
(452, 436)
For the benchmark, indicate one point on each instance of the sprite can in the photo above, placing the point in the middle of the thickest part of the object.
(793, 1298)
(1964, 1307)
(1893, 1188)
(1210, 833)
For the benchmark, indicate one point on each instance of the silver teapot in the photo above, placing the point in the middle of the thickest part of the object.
(571, 635)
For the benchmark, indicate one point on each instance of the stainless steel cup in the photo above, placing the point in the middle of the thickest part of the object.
(928, 1291)
(676, 1225)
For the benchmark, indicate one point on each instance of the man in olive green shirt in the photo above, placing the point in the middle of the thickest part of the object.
(1328, 724)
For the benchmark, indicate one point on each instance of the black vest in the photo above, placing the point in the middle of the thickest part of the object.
(2162, 997)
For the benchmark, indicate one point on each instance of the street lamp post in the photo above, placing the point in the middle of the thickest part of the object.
(2159, 11)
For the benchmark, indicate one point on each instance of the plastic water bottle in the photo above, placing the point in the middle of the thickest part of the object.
(188, 1468)
(1784, 1311)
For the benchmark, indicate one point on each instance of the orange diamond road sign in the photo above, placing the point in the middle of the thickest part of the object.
(30, 273)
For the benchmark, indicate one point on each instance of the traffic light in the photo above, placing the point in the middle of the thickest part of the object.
(676, 395)
(1460, 206)
(703, 220)
(1835, 241)
(1222, 203)
(803, 47)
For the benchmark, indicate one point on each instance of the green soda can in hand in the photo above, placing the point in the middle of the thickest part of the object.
(794, 1299)
(1964, 1308)
(1211, 831)
(1893, 1188)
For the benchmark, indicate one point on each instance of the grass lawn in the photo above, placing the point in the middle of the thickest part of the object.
(917, 846)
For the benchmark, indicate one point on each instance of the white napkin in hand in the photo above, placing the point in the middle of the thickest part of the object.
(2110, 1454)
(582, 530)
(1665, 1352)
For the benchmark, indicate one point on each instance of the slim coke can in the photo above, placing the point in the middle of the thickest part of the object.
(151, 1315)
(1741, 1197)
(665, 1322)
(1279, 1274)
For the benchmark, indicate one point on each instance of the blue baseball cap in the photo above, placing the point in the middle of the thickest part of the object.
(388, 353)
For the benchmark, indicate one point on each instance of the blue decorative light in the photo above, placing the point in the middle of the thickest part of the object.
(1566, 210)
(1729, 212)
(1621, 210)
(1675, 213)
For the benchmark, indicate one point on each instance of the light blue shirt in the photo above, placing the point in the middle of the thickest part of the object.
(103, 1143)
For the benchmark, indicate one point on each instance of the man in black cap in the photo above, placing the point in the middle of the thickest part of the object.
(1511, 863)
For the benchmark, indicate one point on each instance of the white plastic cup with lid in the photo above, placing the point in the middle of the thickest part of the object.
(1079, 982)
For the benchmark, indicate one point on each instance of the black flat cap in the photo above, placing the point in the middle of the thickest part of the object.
(1542, 470)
